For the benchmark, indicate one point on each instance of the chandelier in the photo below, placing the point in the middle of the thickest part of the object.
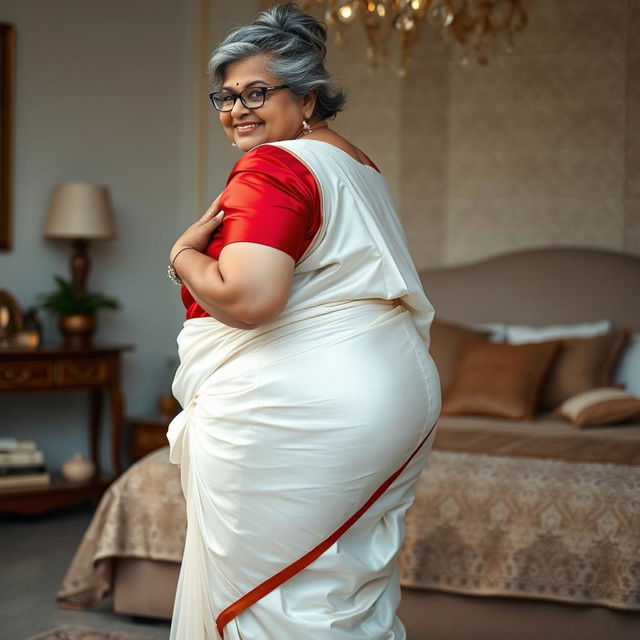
(475, 28)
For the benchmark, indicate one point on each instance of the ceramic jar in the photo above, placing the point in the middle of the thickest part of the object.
(78, 469)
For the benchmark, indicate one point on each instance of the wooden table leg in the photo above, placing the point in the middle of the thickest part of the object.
(117, 418)
(95, 420)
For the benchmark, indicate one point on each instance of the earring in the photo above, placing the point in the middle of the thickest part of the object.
(306, 129)
(233, 144)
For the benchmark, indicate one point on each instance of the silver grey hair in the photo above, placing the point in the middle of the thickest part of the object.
(296, 41)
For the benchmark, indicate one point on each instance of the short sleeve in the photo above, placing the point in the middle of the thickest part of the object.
(271, 198)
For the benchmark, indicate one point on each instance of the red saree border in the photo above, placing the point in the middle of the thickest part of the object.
(288, 572)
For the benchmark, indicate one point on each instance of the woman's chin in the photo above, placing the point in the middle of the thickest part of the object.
(248, 144)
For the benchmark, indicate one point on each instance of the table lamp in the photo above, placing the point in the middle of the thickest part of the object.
(80, 212)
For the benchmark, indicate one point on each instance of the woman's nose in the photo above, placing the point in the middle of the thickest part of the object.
(238, 108)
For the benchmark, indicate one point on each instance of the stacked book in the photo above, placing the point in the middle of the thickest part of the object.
(21, 465)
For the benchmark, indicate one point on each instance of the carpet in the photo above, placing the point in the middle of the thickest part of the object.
(83, 633)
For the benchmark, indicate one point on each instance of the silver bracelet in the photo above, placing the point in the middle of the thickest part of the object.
(172, 274)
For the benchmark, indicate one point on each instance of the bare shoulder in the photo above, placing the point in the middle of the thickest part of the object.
(332, 137)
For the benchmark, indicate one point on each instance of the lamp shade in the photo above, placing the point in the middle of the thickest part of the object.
(80, 210)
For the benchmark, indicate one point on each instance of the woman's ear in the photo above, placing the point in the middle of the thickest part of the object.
(309, 102)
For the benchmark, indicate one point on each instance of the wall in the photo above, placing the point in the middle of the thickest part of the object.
(540, 147)
(632, 186)
(537, 144)
(109, 92)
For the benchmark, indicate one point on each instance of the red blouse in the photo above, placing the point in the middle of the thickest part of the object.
(271, 198)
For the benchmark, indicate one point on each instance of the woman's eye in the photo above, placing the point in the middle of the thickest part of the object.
(226, 97)
(256, 94)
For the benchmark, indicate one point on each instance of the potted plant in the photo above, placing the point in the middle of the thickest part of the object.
(77, 321)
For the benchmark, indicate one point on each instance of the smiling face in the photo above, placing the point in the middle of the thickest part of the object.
(279, 118)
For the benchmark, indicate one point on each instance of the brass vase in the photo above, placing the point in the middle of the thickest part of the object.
(77, 329)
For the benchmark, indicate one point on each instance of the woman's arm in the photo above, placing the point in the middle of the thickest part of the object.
(248, 286)
(270, 203)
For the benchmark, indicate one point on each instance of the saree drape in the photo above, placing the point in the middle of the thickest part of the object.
(288, 429)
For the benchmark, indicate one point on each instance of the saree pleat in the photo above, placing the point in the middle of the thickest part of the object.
(286, 431)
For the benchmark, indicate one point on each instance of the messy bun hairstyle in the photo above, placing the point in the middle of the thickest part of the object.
(296, 42)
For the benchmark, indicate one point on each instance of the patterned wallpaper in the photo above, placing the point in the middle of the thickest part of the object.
(541, 147)
(538, 148)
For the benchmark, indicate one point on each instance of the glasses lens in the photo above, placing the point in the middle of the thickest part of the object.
(253, 97)
(222, 101)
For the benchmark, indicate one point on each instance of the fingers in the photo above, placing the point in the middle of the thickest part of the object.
(212, 211)
(211, 215)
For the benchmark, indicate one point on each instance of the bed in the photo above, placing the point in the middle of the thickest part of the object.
(518, 529)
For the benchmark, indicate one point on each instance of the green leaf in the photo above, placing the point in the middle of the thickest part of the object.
(65, 301)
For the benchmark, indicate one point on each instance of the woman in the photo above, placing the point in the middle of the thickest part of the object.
(309, 396)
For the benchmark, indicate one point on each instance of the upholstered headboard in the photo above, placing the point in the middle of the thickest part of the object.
(540, 286)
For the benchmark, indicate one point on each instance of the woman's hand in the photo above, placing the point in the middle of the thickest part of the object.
(198, 235)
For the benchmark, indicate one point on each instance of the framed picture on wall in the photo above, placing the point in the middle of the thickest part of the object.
(7, 53)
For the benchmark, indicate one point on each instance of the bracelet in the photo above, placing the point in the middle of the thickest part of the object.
(172, 274)
(179, 252)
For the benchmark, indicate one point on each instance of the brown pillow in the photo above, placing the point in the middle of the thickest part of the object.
(583, 364)
(446, 340)
(502, 380)
(599, 406)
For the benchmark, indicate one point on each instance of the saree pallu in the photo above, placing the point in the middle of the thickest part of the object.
(287, 429)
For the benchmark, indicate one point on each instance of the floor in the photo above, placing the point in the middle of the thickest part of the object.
(35, 553)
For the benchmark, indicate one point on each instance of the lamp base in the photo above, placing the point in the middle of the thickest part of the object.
(77, 330)
(80, 265)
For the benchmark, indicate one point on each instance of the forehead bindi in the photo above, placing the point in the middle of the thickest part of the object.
(248, 72)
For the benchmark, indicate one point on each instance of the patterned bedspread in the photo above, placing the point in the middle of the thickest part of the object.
(526, 527)
(481, 525)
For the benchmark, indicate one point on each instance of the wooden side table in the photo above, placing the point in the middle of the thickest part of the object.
(58, 369)
(148, 433)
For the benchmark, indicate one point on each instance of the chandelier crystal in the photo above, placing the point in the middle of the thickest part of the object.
(475, 28)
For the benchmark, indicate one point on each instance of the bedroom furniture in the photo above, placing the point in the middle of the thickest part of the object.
(509, 517)
(148, 433)
(80, 212)
(56, 369)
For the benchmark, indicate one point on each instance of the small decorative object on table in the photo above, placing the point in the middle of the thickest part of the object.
(11, 319)
(78, 469)
(31, 334)
(77, 321)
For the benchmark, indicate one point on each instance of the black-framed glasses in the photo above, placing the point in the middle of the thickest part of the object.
(251, 98)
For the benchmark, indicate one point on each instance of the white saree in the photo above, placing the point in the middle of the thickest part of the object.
(289, 428)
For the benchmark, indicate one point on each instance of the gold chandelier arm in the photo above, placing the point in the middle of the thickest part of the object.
(470, 26)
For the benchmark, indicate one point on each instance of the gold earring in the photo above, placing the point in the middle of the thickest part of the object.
(306, 129)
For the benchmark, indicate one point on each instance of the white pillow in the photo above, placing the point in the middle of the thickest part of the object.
(518, 334)
(498, 330)
(628, 370)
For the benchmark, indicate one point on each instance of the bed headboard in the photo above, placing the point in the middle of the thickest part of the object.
(540, 286)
